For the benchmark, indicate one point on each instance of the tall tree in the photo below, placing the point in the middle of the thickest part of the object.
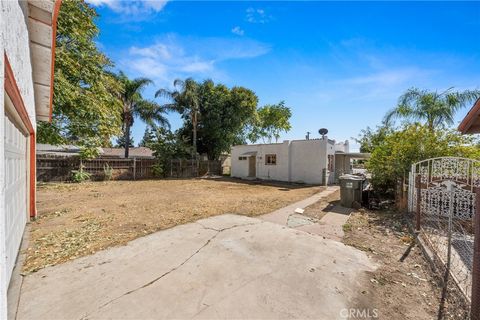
(272, 120)
(120, 143)
(224, 116)
(184, 100)
(148, 137)
(86, 110)
(369, 139)
(436, 109)
(134, 105)
(166, 146)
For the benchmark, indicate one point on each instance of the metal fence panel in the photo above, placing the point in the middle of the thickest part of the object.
(442, 192)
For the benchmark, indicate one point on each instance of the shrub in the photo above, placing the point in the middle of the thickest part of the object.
(108, 172)
(80, 175)
(158, 170)
(392, 158)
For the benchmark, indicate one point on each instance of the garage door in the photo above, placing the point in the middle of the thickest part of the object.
(16, 189)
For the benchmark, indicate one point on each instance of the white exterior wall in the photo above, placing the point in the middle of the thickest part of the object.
(267, 172)
(3, 259)
(343, 147)
(309, 158)
(17, 47)
(277, 172)
(14, 41)
(300, 161)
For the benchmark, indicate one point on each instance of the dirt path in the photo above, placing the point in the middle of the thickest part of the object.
(79, 219)
(402, 287)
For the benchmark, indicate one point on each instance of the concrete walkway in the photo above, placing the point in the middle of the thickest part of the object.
(330, 226)
(281, 215)
(222, 267)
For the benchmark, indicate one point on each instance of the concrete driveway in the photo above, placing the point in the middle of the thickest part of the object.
(226, 266)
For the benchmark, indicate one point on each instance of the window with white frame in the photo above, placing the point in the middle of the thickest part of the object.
(242, 158)
(270, 159)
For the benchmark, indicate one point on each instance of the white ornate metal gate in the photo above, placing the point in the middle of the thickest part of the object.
(436, 176)
(444, 214)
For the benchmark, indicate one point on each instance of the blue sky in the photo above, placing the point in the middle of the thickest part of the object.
(339, 65)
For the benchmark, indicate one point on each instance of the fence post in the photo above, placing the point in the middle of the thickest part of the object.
(134, 169)
(418, 184)
(475, 308)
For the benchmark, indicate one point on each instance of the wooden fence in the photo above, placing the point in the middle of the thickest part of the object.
(184, 168)
(60, 169)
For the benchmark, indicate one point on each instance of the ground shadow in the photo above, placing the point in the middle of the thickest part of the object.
(334, 206)
(282, 186)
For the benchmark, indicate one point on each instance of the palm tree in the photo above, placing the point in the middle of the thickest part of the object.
(184, 99)
(436, 109)
(135, 105)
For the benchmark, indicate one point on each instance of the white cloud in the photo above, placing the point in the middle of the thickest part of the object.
(172, 56)
(390, 77)
(257, 16)
(131, 8)
(238, 31)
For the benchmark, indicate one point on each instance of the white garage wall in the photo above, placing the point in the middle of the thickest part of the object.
(3, 273)
(14, 42)
(17, 47)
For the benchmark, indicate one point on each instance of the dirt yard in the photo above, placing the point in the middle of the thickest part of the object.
(321, 207)
(403, 286)
(79, 219)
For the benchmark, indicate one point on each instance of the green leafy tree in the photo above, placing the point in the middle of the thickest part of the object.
(272, 120)
(435, 109)
(369, 138)
(224, 115)
(134, 105)
(148, 137)
(120, 142)
(184, 100)
(392, 158)
(86, 109)
(167, 145)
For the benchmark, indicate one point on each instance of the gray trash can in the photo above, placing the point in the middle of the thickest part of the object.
(351, 187)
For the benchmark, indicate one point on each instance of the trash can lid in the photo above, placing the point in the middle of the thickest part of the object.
(351, 177)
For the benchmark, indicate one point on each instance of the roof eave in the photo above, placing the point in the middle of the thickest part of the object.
(471, 123)
(42, 26)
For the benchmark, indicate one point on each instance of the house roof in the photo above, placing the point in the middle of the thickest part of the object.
(73, 150)
(354, 155)
(138, 152)
(42, 27)
(471, 122)
(60, 150)
(250, 153)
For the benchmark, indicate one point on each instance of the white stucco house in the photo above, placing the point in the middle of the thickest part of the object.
(303, 161)
(27, 44)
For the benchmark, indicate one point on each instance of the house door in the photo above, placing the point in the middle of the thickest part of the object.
(252, 166)
(16, 194)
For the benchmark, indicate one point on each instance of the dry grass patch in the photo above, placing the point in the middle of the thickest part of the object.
(79, 219)
(403, 286)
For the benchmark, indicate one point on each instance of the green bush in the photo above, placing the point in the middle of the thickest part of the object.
(158, 170)
(80, 175)
(392, 158)
(108, 172)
